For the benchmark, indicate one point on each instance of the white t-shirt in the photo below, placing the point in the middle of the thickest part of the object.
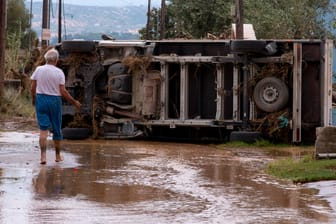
(48, 78)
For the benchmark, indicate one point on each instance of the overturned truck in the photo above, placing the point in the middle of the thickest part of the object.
(198, 89)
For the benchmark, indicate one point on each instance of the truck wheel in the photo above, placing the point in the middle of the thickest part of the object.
(270, 94)
(120, 84)
(248, 46)
(76, 133)
(78, 46)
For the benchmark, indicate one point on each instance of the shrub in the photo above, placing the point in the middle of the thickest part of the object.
(15, 103)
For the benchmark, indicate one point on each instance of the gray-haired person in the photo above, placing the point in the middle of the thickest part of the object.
(47, 89)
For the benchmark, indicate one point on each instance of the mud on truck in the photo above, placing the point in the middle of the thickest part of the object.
(198, 89)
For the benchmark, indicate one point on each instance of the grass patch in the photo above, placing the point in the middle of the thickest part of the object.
(303, 170)
(294, 163)
(272, 149)
(16, 103)
(258, 143)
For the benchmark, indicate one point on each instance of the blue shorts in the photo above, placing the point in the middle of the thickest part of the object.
(49, 114)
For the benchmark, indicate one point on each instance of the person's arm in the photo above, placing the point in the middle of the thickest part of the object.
(33, 91)
(66, 95)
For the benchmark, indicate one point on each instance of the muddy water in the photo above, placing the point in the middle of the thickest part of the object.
(150, 182)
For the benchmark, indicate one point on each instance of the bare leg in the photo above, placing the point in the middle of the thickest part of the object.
(58, 151)
(43, 146)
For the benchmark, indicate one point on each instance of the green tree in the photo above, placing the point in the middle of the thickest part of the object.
(272, 19)
(199, 17)
(18, 26)
(191, 18)
(289, 19)
(154, 26)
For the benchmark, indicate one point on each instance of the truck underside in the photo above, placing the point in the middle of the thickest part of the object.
(200, 90)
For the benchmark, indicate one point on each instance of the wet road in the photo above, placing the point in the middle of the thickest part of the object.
(150, 182)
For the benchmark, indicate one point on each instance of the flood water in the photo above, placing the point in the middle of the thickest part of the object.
(150, 182)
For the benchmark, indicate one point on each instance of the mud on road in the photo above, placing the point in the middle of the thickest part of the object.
(149, 182)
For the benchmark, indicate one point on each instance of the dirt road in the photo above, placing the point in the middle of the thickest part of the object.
(149, 182)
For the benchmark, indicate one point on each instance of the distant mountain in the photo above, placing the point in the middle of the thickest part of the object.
(82, 20)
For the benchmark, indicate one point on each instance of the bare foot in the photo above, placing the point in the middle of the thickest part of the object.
(43, 158)
(59, 158)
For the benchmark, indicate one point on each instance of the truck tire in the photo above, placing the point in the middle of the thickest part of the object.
(248, 46)
(119, 84)
(271, 94)
(78, 46)
(76, 133)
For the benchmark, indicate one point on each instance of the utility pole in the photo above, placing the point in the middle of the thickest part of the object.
(3, 25)
(148, 26)
(59, 21)
(239, 19)
(45, 24)
(163, 20)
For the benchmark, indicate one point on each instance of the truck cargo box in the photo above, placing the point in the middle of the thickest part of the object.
(199, 89)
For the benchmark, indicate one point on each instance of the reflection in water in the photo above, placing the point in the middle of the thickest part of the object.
(86, 182)
(48, 181)
(178, 183)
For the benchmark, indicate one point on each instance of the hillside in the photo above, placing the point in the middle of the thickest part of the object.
(83, 20)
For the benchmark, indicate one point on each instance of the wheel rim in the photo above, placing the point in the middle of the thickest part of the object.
(270, 94)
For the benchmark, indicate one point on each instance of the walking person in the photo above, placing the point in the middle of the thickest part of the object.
(47, 90)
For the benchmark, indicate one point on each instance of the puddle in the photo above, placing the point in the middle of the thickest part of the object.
(326, 191)
(149, 182)
(18, 137)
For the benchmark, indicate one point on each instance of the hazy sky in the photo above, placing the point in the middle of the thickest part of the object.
(108, 2)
